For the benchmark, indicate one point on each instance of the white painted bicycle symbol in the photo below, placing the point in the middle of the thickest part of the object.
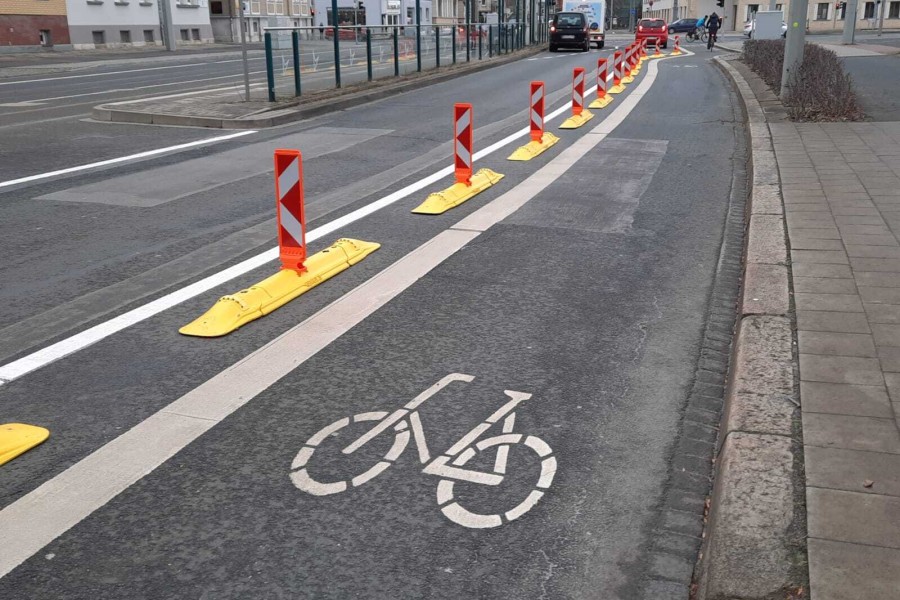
(448, 466)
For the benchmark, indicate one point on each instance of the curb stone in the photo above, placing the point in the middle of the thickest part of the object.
(750, 549)
(113, 112)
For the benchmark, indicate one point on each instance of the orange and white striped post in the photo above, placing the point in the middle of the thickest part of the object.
(677, 49)
(462, 142)
(626, 64)
(578, 91)
(537, 111)
(617, 69)
(657, 53)
(601, 78)
(291, 216)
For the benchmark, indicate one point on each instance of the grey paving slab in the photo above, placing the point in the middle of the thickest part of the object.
(821, 270)
(886, 334)
(840, 322)
(854, 517)
(811, 243)
(836, 344)
(841, 570)
(889, 357)
(824, 285)
(853, 470)
(833, 369)
(832, 257)
(882, 313)
(879, 295)
(822, 233)
(828, 302)
(872, 251)
(891, 265)
(845, 399)
(850, 432)
(870, 240)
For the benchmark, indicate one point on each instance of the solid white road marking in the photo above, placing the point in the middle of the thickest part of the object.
(45, 513)
(88, 337)
(122, 159)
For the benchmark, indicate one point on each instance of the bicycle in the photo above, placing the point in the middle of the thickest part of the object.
(699, 33)
(449, 466)
(713, 38)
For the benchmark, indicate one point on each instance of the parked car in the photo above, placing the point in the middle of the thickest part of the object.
(750, 27)
(683, 26)
(653, 30)
(569, 29)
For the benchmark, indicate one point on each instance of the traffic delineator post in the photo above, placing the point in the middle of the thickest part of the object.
(643, 50)
(677, 50)
(636, 59)
(657, 53)
(602, 98)
(540, 139)
(617, 87)
(580, 115)
(628, 65)
(18, 438)
(467, 184)
(298, 273)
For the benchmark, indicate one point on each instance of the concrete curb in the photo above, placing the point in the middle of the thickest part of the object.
(748, 550)
(117, 113)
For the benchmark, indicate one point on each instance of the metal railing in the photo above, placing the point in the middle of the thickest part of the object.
(299, 58)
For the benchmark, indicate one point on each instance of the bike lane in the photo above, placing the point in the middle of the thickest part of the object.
(592, 297)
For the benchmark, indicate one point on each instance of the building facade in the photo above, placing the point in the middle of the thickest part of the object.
(373, 13)
(38, 23)
(224, 16)
(119, 23)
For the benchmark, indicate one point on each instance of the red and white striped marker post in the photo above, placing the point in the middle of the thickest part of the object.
(462, 142)
(578, 91)
(537, 111)
(617, 69)
(677, 49)
(291, 216)
(636, 56)
(601, 78)
(657, 53)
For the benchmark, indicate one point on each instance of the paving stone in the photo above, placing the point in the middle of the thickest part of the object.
(871, 221)
(850, 432)
(870, 240)
(824, 233)
(837, 344)
(872, 251)
(879, 295)
(840, 469)
(845, 399)
(882, 313)
(805, 243)
(886, 335)
(877, 279)
(670, 566)
(665, 590)
(843, 369)
(865, 210)
(891, 265)
(892, 380)
(840, 571)
(889, 356)
(765, 242)
(840, 322)
(824, 285)
(834, 257)
(853, 517)
(820, 270)
(766, 290)
(829, 302)
(880, 229)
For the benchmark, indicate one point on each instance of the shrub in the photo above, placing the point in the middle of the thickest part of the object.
(820, 91)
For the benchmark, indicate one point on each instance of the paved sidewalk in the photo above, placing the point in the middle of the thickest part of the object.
(841, 189)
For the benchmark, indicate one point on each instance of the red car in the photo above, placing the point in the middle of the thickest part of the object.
(653, 30)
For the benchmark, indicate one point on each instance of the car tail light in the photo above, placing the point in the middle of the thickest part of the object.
(640, 27)
(552, 28)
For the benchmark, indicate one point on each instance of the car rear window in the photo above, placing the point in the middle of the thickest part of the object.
(570, 19)
(653, 23)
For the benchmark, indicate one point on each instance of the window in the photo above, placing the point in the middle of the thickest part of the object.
(148, 36)
(870, 11)
(46, 39)
(894, 10)
(778, 7)
(185, 35)
(274, 7)
(822, 11)
(254, 7)
(195, 35)
(215, 7)
(842, 12)
(751, 10)
(99, 37)
(125, 36)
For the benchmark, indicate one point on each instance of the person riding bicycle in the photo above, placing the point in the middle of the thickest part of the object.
(712, 25)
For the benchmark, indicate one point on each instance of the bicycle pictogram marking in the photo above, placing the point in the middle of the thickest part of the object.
(449, 466)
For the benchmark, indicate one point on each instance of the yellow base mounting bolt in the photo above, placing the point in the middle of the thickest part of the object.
(440, 202)
(233, 311)
(16, 438)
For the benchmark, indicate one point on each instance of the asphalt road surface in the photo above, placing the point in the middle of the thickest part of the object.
(576, 308)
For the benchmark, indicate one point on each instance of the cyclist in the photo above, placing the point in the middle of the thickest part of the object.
(697, 31)
(712, 25)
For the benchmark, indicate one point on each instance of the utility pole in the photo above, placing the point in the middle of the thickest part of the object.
(793, 47)
(881, 18)
(166, 29)
(772, 6)
(850, 22)
(244, 51)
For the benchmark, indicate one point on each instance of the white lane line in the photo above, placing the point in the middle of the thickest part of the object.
(88, 337)
(44, 514)
(113, 73)
(122, 159)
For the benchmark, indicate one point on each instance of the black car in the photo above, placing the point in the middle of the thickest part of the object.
(569, 29)
(683, 26)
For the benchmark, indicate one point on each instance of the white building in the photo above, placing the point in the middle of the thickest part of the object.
(258, 15)
(383, 12)
(111, 23)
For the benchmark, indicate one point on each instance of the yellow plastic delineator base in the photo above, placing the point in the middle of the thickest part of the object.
(533, 148)
(456, 194)
(676, 53)
(576, 121)
(660, 55)
(16, 438)
(616, 89)
(629, 78)
(236, 310)
(600, 102)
